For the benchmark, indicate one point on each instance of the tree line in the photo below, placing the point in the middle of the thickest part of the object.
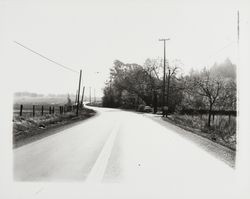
(210, 89)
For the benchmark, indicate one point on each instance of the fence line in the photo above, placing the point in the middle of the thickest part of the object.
(214, 113)
(40, 110)
(204, 111)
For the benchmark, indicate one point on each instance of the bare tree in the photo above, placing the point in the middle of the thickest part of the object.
(227, 100)
(154, 68)
(208, 87)
(172, 71)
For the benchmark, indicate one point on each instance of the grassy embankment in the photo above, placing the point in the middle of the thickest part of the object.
(26, 126)
(222, 130)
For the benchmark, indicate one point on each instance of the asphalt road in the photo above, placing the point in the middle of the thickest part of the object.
(123, 147)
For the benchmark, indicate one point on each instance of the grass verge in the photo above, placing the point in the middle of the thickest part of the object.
(222, 131)
(24, 128)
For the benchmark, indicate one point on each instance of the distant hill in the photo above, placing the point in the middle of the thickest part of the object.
(31, 94)
(39, 99)
(27, 94)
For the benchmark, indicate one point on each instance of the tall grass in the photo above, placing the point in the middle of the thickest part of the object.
(221, 126)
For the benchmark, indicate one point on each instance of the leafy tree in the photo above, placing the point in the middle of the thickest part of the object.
(133, 79)
(135, 84)
(111, 96)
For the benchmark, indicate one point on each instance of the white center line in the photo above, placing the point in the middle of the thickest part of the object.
(98, 170)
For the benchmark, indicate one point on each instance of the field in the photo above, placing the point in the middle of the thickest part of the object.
(46, 102)
(54, 114)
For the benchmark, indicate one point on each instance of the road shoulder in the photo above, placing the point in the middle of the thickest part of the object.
(37, 133)
(220, 152)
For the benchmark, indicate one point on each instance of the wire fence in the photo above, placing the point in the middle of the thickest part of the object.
(41, 110)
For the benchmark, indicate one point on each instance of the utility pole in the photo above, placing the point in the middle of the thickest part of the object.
(168, 88)
(238, 40)
(238, 27)
(82, 95)
(90, 94)
(94, 96)
(164, 77)
(78, 96)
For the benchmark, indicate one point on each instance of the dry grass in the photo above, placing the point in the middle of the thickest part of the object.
(222, 130)
(27, 126)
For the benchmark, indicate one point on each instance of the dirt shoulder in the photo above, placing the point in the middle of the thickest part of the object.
(204, 132)
(219, 151)
(27, 130)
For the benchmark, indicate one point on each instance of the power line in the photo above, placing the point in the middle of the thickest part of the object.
(63, 66)
(220, 50)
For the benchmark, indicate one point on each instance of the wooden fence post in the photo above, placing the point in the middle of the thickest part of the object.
(33, 111)
(50, 110)
(53, 110)
(21, 110)
(42, 110)
(229, 118)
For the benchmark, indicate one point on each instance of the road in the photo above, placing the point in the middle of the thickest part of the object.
(123, 147)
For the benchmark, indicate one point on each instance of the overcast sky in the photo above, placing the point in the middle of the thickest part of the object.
(90, 35)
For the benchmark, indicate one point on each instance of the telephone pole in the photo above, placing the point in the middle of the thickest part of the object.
(94, 96)
(78, 96)
(164, 76)
(90, 94)
(82, 95)
(238, 27)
